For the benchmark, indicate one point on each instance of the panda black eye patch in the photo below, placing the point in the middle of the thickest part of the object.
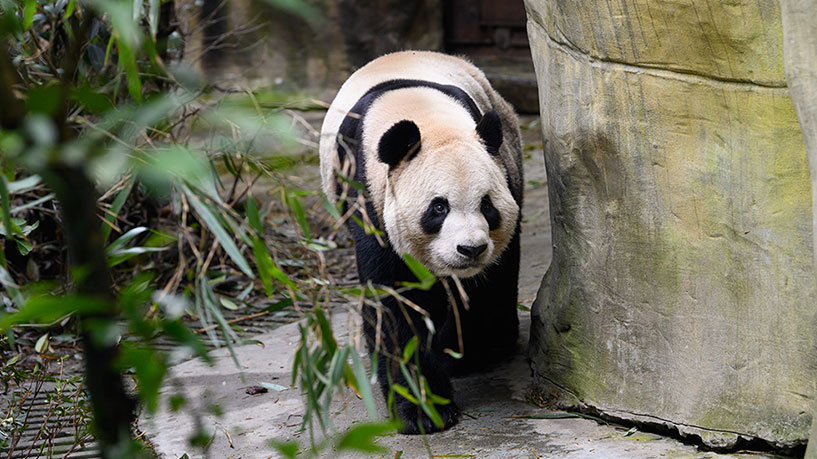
(434, 216)
(490, 212)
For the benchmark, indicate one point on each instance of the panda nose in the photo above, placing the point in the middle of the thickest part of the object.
(471, 251)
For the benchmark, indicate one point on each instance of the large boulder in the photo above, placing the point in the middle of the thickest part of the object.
(682, 289)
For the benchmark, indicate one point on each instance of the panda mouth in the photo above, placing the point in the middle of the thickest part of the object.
(464, 266)
(465, 269)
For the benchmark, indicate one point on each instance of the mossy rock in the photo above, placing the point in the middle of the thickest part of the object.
(682, 290)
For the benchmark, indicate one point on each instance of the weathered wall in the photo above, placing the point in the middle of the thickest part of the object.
(800, 56)
(682, 286)
(241, 43)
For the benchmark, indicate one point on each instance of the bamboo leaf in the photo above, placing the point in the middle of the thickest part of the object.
(41, 344)
(363, 386)
(218, 230)
(362, 437)
(403, 392)
(47, 309)
(426, 278)
(116, 207)
(295, 205)
(411, 346)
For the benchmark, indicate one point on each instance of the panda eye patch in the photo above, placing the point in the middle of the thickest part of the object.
(434, 216)
(490, 213)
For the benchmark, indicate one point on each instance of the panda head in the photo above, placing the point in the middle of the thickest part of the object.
(447, 201)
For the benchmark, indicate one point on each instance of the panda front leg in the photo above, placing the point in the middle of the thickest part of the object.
(490, 325)
(398, 324)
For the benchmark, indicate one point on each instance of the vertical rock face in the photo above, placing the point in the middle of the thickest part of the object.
(799, 45)
(682, 286)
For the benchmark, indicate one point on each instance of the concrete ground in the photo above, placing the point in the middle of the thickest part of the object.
(494, 403)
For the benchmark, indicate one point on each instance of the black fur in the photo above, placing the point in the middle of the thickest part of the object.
(490, 212)
(401, 141)
(489, 327)
(434, 216)
(489, 129)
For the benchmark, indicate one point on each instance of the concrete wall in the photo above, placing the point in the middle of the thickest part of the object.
(682, 289)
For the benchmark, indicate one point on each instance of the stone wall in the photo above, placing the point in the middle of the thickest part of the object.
(682, 289)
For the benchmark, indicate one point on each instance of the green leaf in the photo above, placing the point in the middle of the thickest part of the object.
(41, 344)
(116, 206)
(411, 346)
(403, 392)
(8, 226)
(631, 431)
(288, 449)
(272, 386)
(426, 278)
(253, 217)
(124, 255)
(177, 402)
(45, 100)
(427, 408)
(23, 246)
(8, 284)
(19, 228)
(266, 266)
(332, 209)
(434, 398)
(327, 338)
(150, 367)
(33, 203)
(277, 306)
(92, 101)
(228, 304)
(28, 13)
(295, 206)
(22, 185)
(218, 230)
(120, 242)
(362, 437)
(69, 10)
(46, 309)
(362, 384)
(9, 23)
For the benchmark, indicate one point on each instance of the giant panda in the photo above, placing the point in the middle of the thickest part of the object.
(427, 157)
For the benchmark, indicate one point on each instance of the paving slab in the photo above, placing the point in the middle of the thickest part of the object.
(492, 426)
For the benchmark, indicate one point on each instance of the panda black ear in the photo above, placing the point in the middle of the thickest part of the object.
(489, 129)
(401, 141)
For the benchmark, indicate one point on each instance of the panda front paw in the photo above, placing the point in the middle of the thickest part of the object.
(413, 418)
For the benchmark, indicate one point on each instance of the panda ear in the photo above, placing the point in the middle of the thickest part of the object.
(401, 141)
(489, 129)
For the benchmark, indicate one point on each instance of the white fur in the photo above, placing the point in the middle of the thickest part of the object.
(452, 162)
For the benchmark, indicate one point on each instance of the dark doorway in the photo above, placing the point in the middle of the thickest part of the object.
(486, 28)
